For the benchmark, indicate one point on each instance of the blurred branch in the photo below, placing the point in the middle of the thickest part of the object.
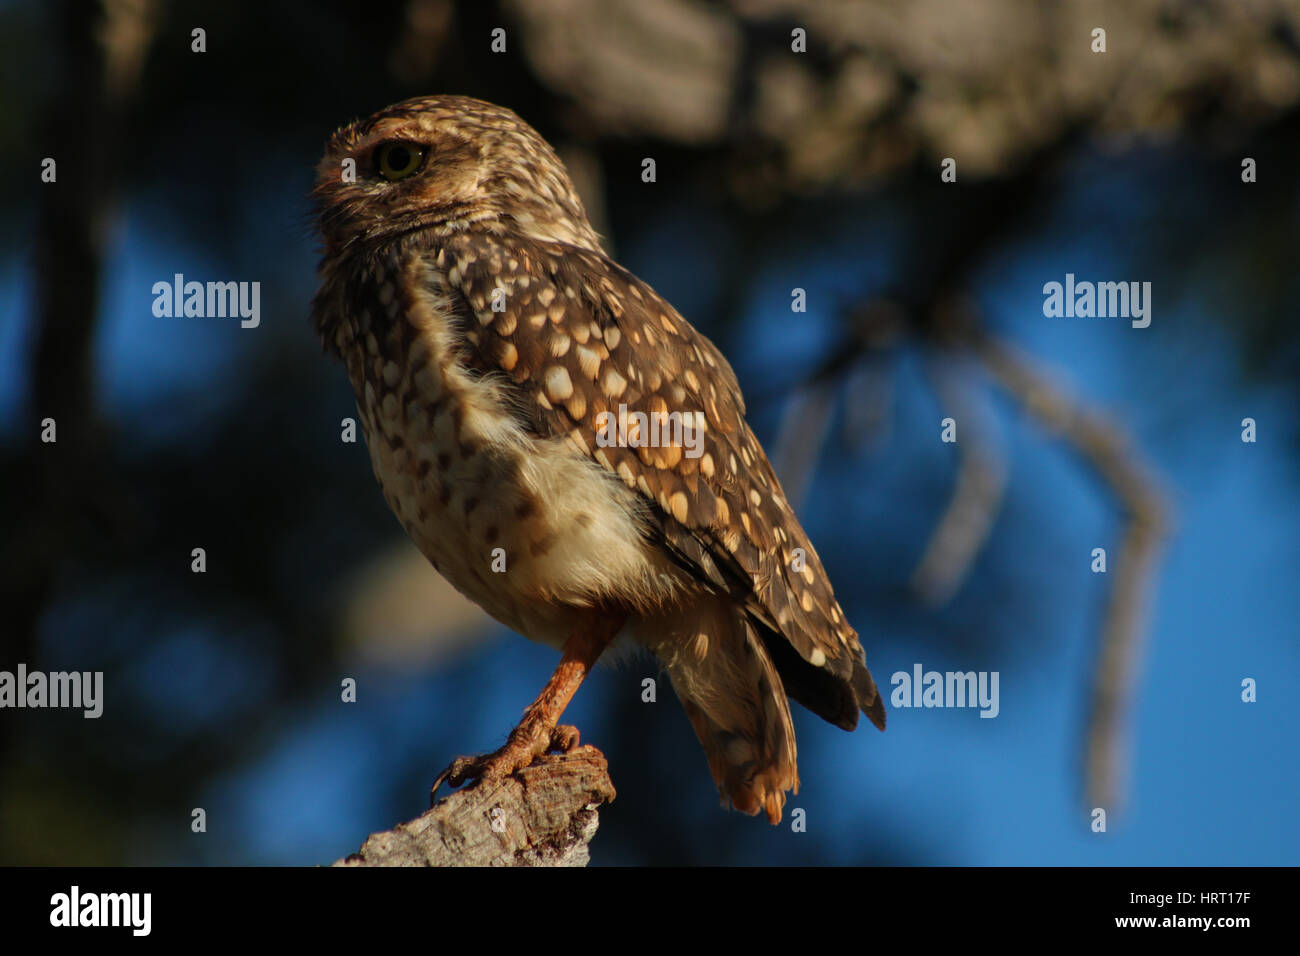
(1104, 445)
(976, 497)
(544, 815)
(804, 427)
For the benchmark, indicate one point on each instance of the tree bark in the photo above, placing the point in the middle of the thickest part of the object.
(544, 815)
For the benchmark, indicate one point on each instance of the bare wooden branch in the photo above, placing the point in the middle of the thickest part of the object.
(545, 815)
(1106, 447)
(976, 498)
(804, 427)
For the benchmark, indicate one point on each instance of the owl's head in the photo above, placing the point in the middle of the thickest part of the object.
(443, 163)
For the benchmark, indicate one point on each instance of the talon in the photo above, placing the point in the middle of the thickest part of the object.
(564, 738)
(519, 751)
(453, 774)
(464, 769)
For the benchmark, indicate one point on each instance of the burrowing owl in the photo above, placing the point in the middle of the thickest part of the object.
(564, 447)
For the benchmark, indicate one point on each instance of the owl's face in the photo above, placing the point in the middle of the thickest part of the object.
(443, 163)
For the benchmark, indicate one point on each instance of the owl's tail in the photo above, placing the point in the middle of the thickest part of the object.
(732, 693)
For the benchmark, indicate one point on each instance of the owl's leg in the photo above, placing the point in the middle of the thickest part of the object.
(540, 731)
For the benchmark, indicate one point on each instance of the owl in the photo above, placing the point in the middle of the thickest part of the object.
(565, 448)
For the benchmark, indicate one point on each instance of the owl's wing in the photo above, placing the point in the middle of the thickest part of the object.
(584, 337)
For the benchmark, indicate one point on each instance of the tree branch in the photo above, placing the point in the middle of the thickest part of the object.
(544, 815)
(976, 499)
(1105, 446)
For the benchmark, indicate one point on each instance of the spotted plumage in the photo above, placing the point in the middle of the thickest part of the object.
(564, 446)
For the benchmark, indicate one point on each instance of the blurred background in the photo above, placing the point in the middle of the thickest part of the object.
(798, 144)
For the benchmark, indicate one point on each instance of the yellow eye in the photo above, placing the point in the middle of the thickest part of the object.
(397, 160)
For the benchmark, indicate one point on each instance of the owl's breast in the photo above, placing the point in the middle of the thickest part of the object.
(525, 526)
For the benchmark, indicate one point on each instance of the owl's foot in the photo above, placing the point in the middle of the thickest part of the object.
(524, 746)
(564, 739)
(540, 730)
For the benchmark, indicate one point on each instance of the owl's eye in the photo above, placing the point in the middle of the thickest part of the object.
(397, 160)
